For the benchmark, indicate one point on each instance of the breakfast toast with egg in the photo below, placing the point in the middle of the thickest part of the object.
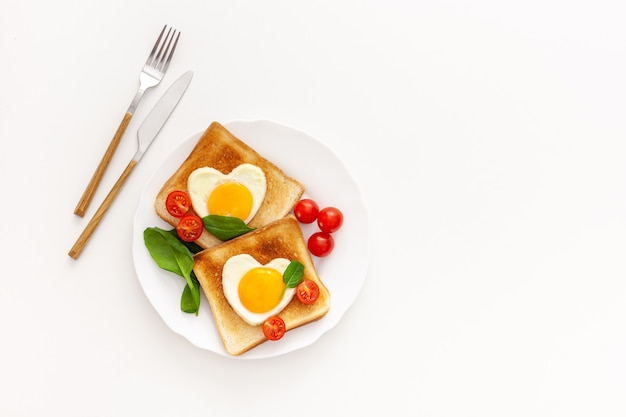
(219, 149)
(282, 238)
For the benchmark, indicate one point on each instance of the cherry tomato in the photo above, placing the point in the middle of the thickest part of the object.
(330, 219)
(177, 203)
(321, 244)
(190, 228)
(274, 328)
(306, 210)
(307, 291)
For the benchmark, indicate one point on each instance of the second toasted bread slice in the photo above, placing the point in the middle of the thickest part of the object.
(220, 149)
(280, 239)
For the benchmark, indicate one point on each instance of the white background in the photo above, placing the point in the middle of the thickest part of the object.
(487, 139)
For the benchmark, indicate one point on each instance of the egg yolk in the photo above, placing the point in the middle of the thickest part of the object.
(230, 199)
(260, 289)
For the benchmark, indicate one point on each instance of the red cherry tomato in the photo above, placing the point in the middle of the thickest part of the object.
(177, 203)
(274, 328)
(306, 210)
(307, 291)
(190, 228)
(321, 244)
(330, 219)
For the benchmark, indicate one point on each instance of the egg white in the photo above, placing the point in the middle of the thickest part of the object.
(234, 269)
(202, 182)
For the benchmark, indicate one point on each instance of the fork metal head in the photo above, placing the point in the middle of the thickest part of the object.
(159, 59)
(157, 63)
(163, 50)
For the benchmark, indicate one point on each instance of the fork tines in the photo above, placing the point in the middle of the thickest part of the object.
(163, 50)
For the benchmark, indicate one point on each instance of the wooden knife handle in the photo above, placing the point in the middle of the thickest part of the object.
(104, 163)
(95, 220)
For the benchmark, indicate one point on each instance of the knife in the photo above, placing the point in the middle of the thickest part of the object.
(146, 134)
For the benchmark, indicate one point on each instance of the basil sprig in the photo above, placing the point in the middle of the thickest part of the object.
(190, 299)
(172, 255)
(225, 227)
(293, 275)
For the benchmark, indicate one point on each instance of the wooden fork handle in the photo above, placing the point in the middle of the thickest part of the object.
(95, 220)
(104, 163)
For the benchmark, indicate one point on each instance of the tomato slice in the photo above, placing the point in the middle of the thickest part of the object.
(307, 291)
(177, 203)
(274, 328)
(190, 228)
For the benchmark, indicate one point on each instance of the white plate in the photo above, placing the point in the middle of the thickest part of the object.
(326, 181)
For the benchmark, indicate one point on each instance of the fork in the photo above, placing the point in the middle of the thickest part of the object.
(151, 75)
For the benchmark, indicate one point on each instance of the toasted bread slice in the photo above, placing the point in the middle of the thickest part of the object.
(280, 239)
(219, 149)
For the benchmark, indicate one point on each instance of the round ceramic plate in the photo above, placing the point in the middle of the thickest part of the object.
(325, 179)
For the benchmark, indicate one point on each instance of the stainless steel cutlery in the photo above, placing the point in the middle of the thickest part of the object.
(151, 75)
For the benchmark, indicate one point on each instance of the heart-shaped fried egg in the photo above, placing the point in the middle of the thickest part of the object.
(255, 291)
(236, 194)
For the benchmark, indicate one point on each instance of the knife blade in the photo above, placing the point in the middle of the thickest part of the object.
(160, 113)
(146, 134)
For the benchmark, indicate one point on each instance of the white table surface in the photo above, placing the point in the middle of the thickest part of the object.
(488, 141)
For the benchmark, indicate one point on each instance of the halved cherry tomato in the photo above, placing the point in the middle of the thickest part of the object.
(321, 244)
(307, 291)
(274, 328)
(177, 203)
(306, 210)
(190, 228)
(330, 219)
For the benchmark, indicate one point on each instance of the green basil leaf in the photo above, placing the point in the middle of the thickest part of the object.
(225, 227)
(293, 274)
(169, 253)
(190, 299)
